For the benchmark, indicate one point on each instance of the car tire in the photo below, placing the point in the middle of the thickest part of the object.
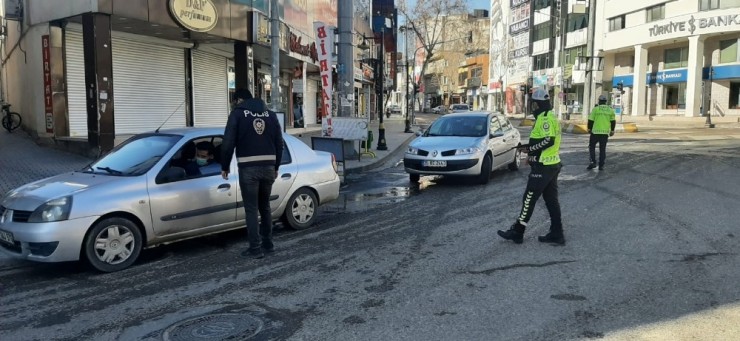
(514, 165)
(112, 244)
(414, 178)
(301, 210)
(485, 170)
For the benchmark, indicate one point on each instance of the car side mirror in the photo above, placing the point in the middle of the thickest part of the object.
(171, 174)
(497, 134)
(419, 133)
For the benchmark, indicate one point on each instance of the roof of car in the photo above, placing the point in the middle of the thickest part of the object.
(471, 113)
(192, 132)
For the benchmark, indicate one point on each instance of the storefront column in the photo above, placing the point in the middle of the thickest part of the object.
(639, 81)
(96, 35)
(694, 75)
(243, 67)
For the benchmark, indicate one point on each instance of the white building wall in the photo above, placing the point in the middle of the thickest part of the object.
(23, 76)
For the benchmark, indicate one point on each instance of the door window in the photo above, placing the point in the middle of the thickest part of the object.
(495, 125)
(197, 158)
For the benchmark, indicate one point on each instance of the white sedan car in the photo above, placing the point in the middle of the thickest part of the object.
(464, 144)
(148, 191)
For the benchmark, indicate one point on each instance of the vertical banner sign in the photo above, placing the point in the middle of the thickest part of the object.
(48, 105)
(325, 47)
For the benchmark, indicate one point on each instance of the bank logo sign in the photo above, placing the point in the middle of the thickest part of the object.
(195, 15)
(693, 24)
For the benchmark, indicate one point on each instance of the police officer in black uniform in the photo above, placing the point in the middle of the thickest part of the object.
(255, 133)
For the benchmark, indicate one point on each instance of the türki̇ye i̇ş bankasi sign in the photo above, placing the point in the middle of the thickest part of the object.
(692, 24)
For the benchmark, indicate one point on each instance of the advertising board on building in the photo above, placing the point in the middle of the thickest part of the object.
(195, 15)
(48, 95)
(324, 48)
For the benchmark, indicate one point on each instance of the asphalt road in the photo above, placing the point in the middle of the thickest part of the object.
(652, 253)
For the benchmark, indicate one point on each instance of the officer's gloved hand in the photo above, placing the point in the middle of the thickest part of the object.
(611, 133)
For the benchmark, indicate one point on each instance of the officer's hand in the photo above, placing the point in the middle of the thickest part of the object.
(611, 133)
(522, 149)
(225, 175)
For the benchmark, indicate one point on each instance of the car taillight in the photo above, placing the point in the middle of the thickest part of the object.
(334, 162)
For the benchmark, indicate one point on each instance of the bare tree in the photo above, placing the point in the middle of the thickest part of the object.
(433, 23)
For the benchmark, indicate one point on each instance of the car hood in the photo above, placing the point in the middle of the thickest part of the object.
(31, 196)
(445, 142)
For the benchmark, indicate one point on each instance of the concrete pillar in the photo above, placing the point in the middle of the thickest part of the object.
(96, 37)
(243, 67)
(694, 75)
(639, 81)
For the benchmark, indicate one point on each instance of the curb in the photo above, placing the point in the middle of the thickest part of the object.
(379, 162)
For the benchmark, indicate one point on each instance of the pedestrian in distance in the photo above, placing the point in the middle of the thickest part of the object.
(543, 158)
(255, 133)
(601, 124)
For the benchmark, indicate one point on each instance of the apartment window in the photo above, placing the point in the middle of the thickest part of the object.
(462, 78)
(675, 96)
(571, 55)
(542, 31)
(616, 23)
(728, 51)
(541, 4)
(706, 5)
(676, 58)
(734, 96)
(543, 61)
(477, 72)
(655, 13)
(577, 21)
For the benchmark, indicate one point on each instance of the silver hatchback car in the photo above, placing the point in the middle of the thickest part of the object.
(148, 191)
(464, 144)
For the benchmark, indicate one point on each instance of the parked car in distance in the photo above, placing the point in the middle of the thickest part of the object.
(394, 109)
(465, 144)
(440, 110)
(147, 192)
(459, 108)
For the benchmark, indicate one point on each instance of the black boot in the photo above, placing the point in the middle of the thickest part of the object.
(591, 165)
(554, 237)
(515, 233)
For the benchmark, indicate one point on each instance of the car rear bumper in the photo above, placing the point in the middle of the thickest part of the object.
(328, 191)
(454, 167)
(59, 241)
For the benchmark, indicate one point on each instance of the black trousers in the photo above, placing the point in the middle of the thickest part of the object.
(601, 139)
(543, 181)
(256, 184)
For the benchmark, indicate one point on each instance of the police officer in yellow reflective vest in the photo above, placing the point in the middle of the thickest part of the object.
(544, 159)
(601, 124)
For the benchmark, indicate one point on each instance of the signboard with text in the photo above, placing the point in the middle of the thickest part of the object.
(48, 95)
(324, 50)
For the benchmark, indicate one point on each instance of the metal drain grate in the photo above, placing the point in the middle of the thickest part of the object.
(215, 327)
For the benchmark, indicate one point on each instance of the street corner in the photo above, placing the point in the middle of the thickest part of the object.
(575, 128)
(627, 127)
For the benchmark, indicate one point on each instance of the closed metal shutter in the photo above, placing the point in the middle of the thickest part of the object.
(75, 74)
(210, 90)
(148, 85)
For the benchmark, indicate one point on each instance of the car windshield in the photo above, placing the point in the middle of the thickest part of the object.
(458, 126)
(135, 156)
(459, 107)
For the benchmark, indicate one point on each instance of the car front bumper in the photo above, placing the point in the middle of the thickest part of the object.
(462, 167)
(59, 241)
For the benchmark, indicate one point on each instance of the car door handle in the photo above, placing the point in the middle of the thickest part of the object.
(286, 176)
(224, 186)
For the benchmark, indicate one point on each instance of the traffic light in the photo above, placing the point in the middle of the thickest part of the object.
(620, 86)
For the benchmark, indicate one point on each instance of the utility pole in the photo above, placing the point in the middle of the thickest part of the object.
(587, 91)
(346, 58)
(406, 29)
(276, 97)
(380, 89)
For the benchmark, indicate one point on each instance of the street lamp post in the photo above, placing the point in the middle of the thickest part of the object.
(379, 89)
(405, 29)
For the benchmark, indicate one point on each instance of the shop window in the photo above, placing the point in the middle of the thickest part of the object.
(655, 13)
(542, 31)
(675, 96)
(616, 23)
(707, 5)
(734, 96)
(728, 51)
(676, 58)
(577, 21)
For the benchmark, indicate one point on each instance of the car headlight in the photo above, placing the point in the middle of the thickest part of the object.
(412, 151)
(53, 210)
(466, 151)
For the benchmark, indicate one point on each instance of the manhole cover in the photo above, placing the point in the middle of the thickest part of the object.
(215, 327)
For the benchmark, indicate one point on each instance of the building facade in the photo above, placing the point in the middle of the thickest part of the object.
(98, 71)
(676, 58)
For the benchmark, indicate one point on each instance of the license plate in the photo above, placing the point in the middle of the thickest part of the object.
(7, 237)
(434, 163)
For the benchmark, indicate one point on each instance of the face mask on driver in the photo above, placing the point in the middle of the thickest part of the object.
(201, 162)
